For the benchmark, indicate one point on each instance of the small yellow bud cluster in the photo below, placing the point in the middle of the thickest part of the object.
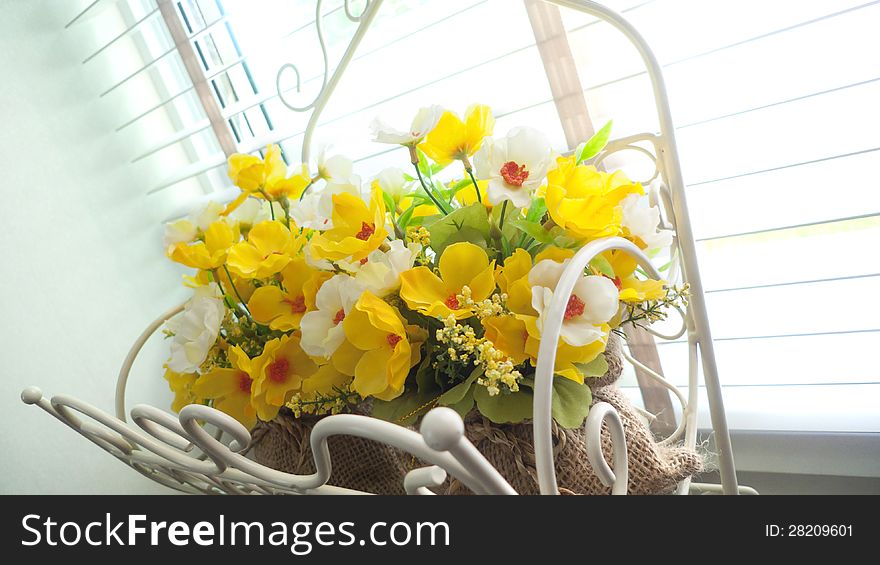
(419, 235)
(467, 348)
(492, 306)
(318, 404)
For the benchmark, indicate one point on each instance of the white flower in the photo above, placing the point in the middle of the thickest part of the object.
(337, 168)
(643, 221)
(426, 120)
(515, 165)
(381, 272)
(393, 183)
(179, 231)
(195, 331)
(315, 210)
(208, 215)
(592, 302)
(322, 331)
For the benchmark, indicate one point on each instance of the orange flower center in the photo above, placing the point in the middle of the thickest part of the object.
(339, 317)
(452, 302)
(513, 174)
(393, 340)
(244, 382)
(366, 231)
(278, 369)
(297, 305)
(574, 308)
(364, 261)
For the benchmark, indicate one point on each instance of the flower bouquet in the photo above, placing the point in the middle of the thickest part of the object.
(316, 294)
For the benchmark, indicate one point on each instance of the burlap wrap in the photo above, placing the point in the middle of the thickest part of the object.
(366, 465)
(653, 469)
(357, 463)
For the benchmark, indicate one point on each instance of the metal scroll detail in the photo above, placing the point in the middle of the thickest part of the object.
(328, 82)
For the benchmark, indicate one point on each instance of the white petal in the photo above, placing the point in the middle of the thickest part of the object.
(315, 326)
(425, 121)
(482, 160)
(329, 297)
(547, 273)
(579, 332)
(600, 298)
(338, 168)
(528, 146)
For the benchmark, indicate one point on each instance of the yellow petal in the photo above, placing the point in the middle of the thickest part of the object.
(239, 406)
(270, 237)
(421, 288)
(346, 358)
(370, 375)
(461, 263)
(325, 380)
(445, 140)
(509, 335)
(217, 383)
(267, 303)
(480, 123)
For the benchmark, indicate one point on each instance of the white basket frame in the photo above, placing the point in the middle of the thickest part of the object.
(179, 453)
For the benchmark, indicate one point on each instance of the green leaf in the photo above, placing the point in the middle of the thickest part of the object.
(595, 368)
(389, 203)
(507, 231)
(458, 392)
(533, 230)
(504, 408)
(595, 144)
(571, 402)
(602, 265)
(470, 223)
(406, 218)
(425, 378)
(395, 410)
(537, 210)
(465, 405)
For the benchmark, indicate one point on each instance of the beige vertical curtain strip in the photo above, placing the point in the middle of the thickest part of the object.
(565, 84)
(197, 76)
(568, 95)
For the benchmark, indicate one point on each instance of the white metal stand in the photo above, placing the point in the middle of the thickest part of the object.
(180, 453)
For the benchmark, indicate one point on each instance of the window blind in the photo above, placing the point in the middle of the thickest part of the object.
(775, 110)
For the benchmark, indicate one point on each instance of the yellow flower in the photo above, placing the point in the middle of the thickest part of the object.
(357, 230)
(467, 195)
(631, 289)
(586, 202)
(202, 279)
(265, 178)
(518, 336)
(513, 278)
(454, 139)
(283, 309)
(210, 253)
(380, 354)
(279, 372)
(637, 291)
(230, 388)
(181, 384)
(462, 264)
(268, 249)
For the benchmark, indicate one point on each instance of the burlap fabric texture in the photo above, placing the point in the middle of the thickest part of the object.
(357, 463)
(653, 469)
(366, 465)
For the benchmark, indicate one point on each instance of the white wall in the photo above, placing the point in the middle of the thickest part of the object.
(81, 264)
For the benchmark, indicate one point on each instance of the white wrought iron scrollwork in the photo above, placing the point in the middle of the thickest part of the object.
(328, 85)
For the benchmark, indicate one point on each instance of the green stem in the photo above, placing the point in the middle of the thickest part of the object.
(306, 189)
(470, 172)
(269, 200)
(235, 290)
(503, 212)
(430, 194)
